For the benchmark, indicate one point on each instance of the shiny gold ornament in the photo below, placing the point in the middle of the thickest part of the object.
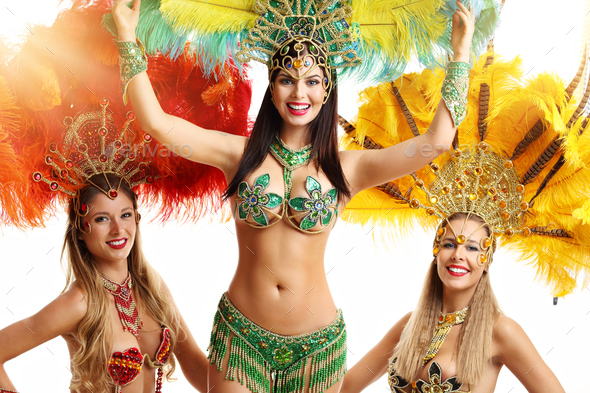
(414, 204)
(443, 327)
(486, 242)
(478, 171)
(430, 211)
(505, 216)
(482, 146)
(445, 190)
(461, 184)
(508, 164)
(461, 239)
(419, 183)
(433, 199)
(473, 196)
(492, 191)
(434, 167)
(526, 231)
(440, 233)
(435, 251)
(482, 259)
(524, 206)
(457, 153)
(502, 205)
(509, 232)
(520, 188)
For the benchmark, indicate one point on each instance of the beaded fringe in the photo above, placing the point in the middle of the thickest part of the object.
(246, 365)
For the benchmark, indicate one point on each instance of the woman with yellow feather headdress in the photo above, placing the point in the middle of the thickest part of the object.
(525, 189)
(277, 329)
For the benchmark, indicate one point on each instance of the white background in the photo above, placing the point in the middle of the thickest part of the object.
(374, 284)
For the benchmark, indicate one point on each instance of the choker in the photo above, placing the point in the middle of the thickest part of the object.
(443, 327)
(128, 313)
(290, 159)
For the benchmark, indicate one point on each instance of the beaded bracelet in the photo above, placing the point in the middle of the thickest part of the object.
(132, 61)
(7, 391)
(454, 90)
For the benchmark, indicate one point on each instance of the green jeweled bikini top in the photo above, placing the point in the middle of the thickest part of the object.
(317, 208)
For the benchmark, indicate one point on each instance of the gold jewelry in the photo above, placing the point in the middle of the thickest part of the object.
(123, 294)
(93, 145)
(475, 181)
(445, 323)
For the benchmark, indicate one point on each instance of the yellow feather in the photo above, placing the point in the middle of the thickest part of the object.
(560, 252)
(207, 17)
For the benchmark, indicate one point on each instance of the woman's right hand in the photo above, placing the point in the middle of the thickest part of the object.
(126, 18)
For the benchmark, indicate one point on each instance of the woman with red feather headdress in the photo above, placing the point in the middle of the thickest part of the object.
(65, 145)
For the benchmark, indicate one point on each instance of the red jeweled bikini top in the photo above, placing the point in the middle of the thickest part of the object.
(124, 367)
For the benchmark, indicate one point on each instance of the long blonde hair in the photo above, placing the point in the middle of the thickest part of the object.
(475, 339)
(89, 362)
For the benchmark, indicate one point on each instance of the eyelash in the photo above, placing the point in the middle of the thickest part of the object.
(99, 219)
(452, 245)
(312, 82)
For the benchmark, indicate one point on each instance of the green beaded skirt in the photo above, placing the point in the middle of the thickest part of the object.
(267, 362)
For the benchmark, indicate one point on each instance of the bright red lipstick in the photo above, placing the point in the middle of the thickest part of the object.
(119, 246)
(456, 267)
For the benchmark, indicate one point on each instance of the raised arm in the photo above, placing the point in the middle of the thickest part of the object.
(517, 352)
(59, 317)
(375, 363)
(209, 147)
(368, 168)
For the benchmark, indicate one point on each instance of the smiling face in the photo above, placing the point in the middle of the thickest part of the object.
(457, 264)
(113, 228)
(299, 100)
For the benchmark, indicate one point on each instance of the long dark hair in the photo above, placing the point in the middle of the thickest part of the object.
(324, 138)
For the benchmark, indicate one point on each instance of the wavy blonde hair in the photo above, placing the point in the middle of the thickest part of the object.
(475, 339)
(89, 362)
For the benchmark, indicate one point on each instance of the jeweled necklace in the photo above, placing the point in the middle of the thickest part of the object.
(445, 323)
(128, 314)
(290, 159)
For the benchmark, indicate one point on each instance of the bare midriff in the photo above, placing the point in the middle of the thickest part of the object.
(280, 282)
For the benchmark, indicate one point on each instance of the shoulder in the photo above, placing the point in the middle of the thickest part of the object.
(508, 337)
(74, 300)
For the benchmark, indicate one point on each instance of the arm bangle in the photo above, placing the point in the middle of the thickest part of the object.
(132, 61)
(454, 90)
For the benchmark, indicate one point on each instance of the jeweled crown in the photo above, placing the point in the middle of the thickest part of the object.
(92, 144)
(285, 25)
(477, 181)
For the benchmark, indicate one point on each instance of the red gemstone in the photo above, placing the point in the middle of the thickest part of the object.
(37, 176)
(117, 144)
(149, 179)
(54, 186)
(70, 164)
(504, 190)
(103, 158)
(48, 159)
(113, 193)
(86, 225)
(83, 148)
(64, 173)
(131, 156)
(102, 131)
(495, 198)
(52, 147)
(130, 115)
(104, 101)
(147, 137)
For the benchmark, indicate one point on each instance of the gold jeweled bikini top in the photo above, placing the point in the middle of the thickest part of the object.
(317, 208)
(435, 382)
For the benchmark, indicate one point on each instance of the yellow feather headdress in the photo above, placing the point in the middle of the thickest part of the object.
(535, 126)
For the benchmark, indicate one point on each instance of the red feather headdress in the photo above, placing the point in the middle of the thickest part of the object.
(66, 69)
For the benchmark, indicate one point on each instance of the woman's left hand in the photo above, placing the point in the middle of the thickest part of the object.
(463, 27)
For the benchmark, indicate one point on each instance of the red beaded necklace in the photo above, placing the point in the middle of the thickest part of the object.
(128, 314)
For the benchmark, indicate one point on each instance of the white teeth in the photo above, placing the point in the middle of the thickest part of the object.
(298, 107)
(457, 270)
(117, 243)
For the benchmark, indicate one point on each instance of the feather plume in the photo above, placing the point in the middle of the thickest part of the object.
(559, 247)
(390, 33)
(184, 189)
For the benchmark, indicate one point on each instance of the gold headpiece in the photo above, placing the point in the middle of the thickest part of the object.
(284, 29)
(92, 145)
(476, 181)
